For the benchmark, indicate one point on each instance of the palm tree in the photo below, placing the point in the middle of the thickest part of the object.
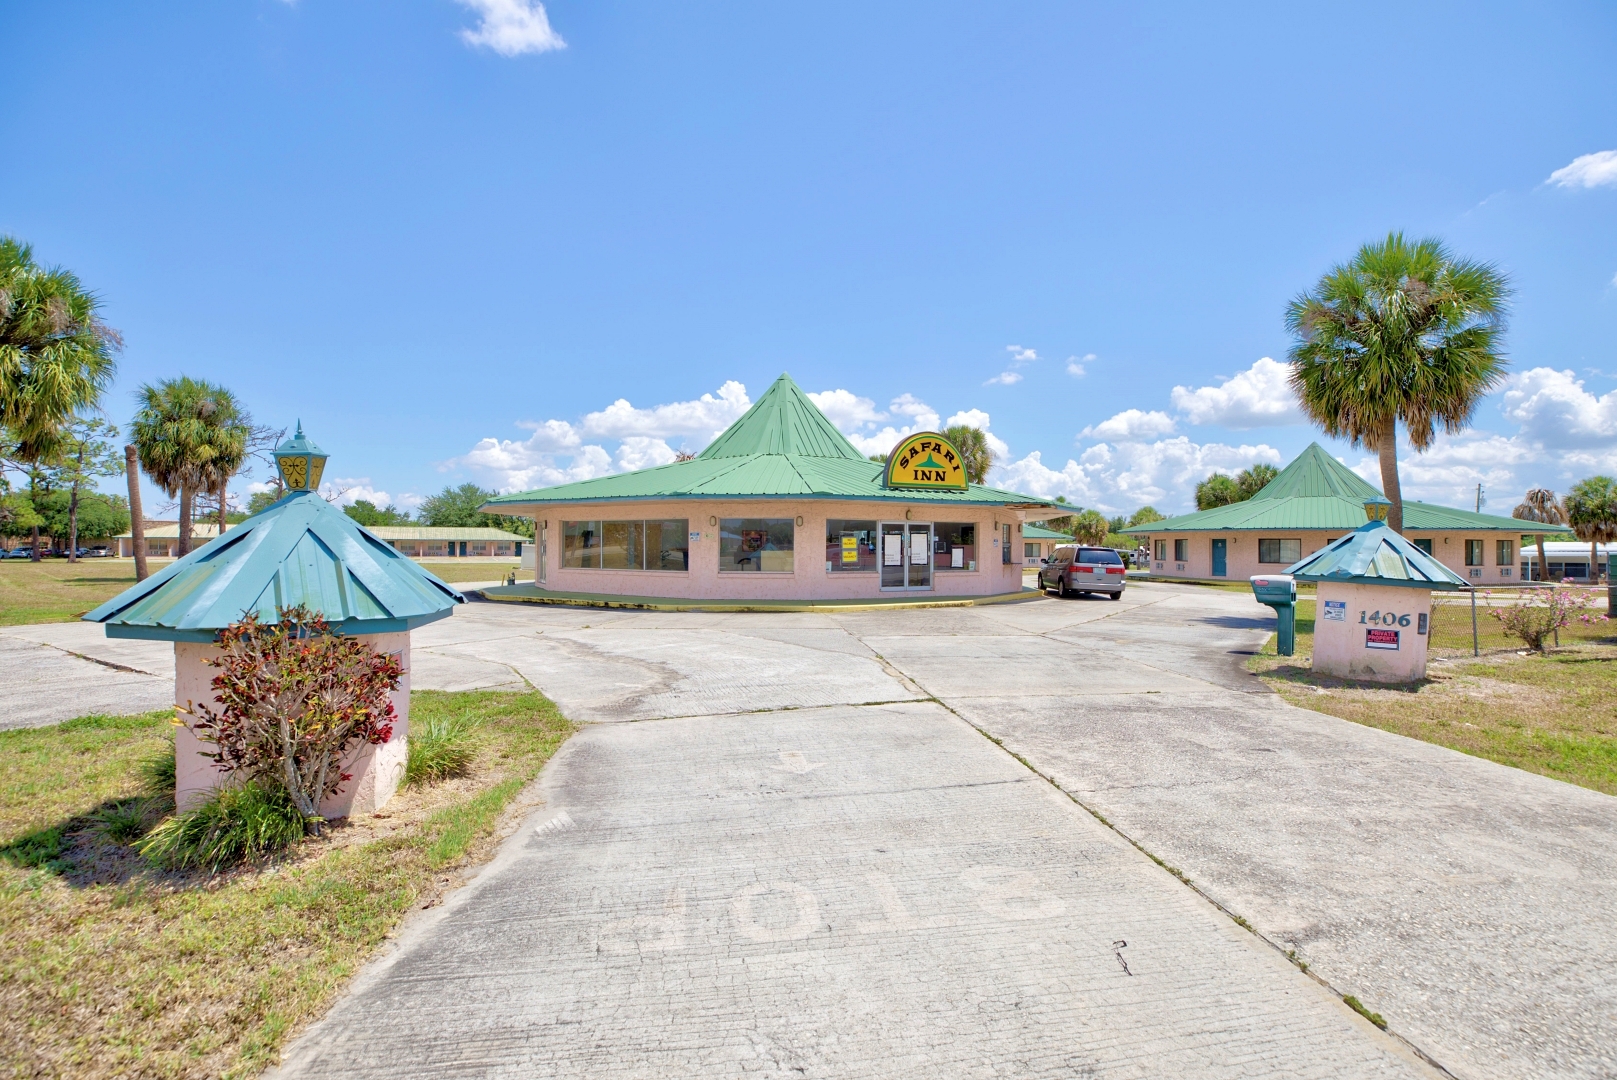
(1540, 505)
(1253, 480)
(976, 454)
(56, 355)
(1591, 510)
(191, 437)
(1405, 331)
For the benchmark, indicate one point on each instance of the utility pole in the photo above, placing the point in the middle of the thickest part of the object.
(1479, 498)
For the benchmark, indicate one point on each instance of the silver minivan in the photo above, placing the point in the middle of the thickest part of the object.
(1073, 569)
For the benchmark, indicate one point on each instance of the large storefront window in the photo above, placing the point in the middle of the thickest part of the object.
(756, 544)
(954, 545)
(850, 545)
(626, 545)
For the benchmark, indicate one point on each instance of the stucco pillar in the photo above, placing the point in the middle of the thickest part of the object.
(377, 770)
(1376, 633)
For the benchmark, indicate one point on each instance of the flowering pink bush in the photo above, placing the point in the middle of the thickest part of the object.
(1545, 612)
(295, 699)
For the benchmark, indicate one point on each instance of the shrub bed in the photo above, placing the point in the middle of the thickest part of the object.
(111, 966)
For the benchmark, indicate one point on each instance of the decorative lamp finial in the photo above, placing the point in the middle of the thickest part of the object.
(300, 463)
(1377, 508)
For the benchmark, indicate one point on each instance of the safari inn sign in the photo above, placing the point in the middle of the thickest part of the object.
(926, 461)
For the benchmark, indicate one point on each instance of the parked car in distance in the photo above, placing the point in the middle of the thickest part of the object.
(1073, 569)
(20, 553)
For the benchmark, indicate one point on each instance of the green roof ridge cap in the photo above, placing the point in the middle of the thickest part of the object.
(782, 421)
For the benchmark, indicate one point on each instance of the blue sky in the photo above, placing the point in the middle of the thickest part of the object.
(487, 240)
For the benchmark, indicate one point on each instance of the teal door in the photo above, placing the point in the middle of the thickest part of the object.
(1219, 569)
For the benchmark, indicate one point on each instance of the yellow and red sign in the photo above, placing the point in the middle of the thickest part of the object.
(926, 461)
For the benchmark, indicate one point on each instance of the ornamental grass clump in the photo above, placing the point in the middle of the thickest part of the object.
(233, 824)
(1545, 612)
(440, 747)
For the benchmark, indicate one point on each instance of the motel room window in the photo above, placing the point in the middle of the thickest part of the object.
(1162, 551)
(850, 545)
(755, 544)
(1181, 551)
(1504, 552)
(1424, 544)
(1279, 551)
(1473, 552)
(954, 545)
(1032, 551)
(626, 545)
(1005, 545)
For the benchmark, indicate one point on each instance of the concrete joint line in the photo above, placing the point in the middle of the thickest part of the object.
(1303, 968)
(98, 660)
(753, 712)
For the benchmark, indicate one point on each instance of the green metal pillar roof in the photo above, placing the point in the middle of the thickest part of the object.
(1373, 554)
(300, 550)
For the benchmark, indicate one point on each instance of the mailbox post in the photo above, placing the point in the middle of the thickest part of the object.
(1279, 591)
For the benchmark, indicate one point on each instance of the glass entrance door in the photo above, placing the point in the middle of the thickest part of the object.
(906, 555)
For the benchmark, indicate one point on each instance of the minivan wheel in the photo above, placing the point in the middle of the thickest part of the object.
(1118, 595)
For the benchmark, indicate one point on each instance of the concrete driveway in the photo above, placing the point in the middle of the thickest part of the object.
(784, 847)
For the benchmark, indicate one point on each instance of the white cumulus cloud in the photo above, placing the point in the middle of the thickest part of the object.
(1119, 477)
(512, 27)
(1131, 425)
(1554, 409)
(1589, 170)
(1021, 356)
(847, 410)
(1257, 397)
(1075, 364)
(706, 417)
(1004, 378)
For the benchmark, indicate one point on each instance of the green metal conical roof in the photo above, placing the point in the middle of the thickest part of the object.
(1373, 554)
(1316, 475)
(299, 550)
(783, 421)
(1318, 492)
(782, 447)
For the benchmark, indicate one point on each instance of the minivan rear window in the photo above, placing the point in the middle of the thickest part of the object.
(1099, 556)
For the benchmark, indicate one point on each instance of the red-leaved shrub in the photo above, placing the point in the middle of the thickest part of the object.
(295, 700)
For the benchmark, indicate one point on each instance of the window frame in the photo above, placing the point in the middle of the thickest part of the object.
(1161, 548)
(635, 535)
(868, 562)
(750, 525)
(1279, 550)
(1474, 547)
(1504, 552)
(1181, 550)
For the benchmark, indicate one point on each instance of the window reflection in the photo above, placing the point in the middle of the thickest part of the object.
(756, 544)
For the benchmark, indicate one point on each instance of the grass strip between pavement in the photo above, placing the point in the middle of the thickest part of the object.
(109, 967)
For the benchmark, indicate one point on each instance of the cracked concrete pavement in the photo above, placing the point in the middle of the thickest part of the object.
(804, 862)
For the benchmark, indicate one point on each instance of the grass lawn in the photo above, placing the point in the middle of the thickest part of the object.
(109, 967)
(1554, 714)
(453, 571)
(55, 590)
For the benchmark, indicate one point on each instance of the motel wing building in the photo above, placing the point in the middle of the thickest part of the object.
(780, 506)
(1313, 501)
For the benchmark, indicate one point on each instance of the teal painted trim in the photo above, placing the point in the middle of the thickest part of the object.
(494, 506)
(351, 627)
